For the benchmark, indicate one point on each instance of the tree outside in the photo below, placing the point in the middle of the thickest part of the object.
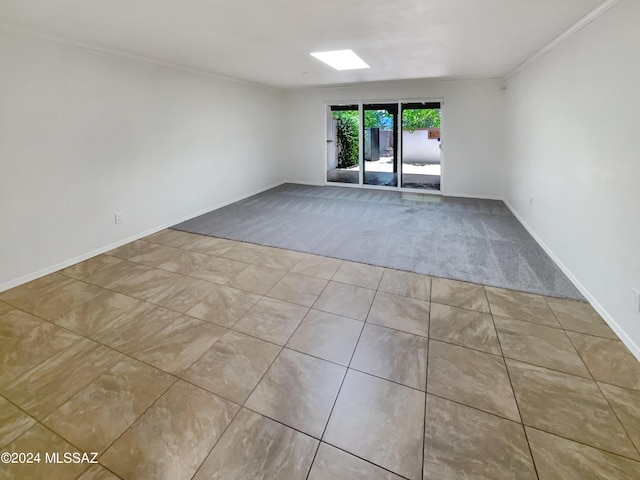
(420, 118)
(347, 138)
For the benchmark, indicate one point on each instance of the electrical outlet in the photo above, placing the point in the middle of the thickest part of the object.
(531, 201)
(119, 217)
(636, 299)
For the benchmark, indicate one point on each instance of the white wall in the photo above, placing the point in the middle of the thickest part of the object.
(85, 134)
(574, 146)
(417, 147)
(472, 133)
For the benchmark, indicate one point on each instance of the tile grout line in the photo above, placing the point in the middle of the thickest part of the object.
(59, 435)
(216, 442)
(176, 378)
(609, 452)
(426, 379)
(98, 342)
(106, 468)
(84, 336)
(513, 391)
(476, 408)
(221, 256)
(573, 330)
(239, 409)
(591, 377)
(365, 460)
(457, 402)
(565, 373)
(606, 399)
(335, 401)
(157, 305)
(155, 267)
(49, 357)
(139, 416)
(624, 428)
(473, 349)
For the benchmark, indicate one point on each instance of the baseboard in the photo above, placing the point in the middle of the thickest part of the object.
(395, 189)
(628, 341)
(469, 195)
(312, 184)
(85, 256)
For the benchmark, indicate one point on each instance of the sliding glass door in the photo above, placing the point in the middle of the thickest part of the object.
(391, 145)
(380, 136)
(343, 140)
(421, 145)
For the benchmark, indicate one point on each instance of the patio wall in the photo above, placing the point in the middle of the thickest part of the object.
(418, 148)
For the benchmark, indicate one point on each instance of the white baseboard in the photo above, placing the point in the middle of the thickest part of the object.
(396, 189)
(312, 184)
(85, 256)
(479, 197)
(628, 341)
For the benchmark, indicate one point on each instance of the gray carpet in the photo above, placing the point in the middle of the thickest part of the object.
(464, 239)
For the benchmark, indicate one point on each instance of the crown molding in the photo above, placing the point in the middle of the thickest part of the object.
(572, 30)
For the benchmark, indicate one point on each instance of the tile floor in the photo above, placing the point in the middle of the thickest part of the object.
(181, 356)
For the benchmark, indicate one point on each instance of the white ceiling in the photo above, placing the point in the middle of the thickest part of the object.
(269, 41)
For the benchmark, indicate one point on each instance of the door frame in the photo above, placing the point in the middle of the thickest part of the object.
(327, 105)
(395, 112)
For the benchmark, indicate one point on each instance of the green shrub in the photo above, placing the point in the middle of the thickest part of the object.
(347, 141)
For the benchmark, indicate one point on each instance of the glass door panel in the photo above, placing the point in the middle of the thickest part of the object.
(343, 128)
(380, 134)
(421, 145)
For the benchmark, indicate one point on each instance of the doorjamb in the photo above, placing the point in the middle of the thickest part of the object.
(399, 102)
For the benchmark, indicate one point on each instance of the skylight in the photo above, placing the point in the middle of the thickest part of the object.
(341, 59)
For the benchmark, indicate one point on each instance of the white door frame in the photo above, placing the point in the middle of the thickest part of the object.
(398, 187)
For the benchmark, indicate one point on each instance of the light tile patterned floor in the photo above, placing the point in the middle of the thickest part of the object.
(181, 356)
